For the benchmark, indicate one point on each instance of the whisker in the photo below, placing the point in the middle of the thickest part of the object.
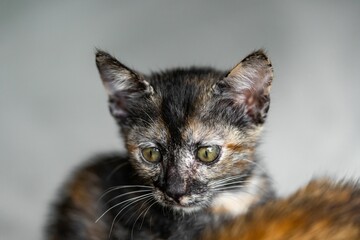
(126, 206)
(145, 210)
(231, 183)
(258, 166)
(118, 204)
(117, 168)
(127, 193)
(138, 209)
(241, 175)
(227, 179)
(121, 187)
(228, 187)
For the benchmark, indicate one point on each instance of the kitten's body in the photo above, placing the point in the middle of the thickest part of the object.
(191, 137)
(324, 209)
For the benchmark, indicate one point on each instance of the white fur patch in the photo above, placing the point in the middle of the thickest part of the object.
(237, 202)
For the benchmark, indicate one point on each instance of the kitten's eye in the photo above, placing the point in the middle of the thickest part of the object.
(208, 154)
(151, 154)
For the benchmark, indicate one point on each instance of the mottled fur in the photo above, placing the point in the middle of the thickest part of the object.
(177, 111)
(324, 209)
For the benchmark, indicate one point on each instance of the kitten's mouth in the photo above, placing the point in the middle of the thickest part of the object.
(185, 203)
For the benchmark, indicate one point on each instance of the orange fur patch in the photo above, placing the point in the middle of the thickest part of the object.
(321, 210)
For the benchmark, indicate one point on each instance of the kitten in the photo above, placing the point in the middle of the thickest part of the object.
(191, 137)
(323, 209)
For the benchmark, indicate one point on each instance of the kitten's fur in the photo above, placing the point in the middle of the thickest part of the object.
(177, 112)
(324, 209)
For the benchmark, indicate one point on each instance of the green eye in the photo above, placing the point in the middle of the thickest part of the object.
(208, 154)
(151, 154)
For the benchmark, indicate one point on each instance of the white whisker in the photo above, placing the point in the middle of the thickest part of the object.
(138, 209)
(118, 204)
(231, 183)
(126, 206)
(121, 187)
(227, 179)
(145, 210)
(146, 213)
(128, 193)
(234, 187)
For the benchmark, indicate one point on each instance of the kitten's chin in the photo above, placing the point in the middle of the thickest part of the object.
(188, 209)
(182, 206)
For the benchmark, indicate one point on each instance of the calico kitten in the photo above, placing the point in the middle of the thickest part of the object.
(191, 136)
(323, 209)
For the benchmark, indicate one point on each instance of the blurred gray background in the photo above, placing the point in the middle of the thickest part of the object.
(53, 112)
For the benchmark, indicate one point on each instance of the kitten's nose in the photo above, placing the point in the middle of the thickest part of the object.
(175, 193)
(175, 185)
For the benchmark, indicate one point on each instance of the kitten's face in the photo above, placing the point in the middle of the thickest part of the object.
(186, 174)
(190, 133)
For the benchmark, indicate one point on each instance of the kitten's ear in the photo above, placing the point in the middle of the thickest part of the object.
(248, 85)
(122, 84)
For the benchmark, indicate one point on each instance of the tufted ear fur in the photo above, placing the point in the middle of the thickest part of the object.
(248, 85)
(122, 84)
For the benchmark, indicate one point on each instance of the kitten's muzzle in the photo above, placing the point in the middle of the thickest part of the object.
(172, 184)
(173, 190)
(184, 196)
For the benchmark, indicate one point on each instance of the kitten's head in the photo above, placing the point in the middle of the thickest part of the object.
(191, 133)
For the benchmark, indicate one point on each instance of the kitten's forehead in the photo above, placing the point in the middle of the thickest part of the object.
(183, 87)
(183, 94)
(185, 110)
